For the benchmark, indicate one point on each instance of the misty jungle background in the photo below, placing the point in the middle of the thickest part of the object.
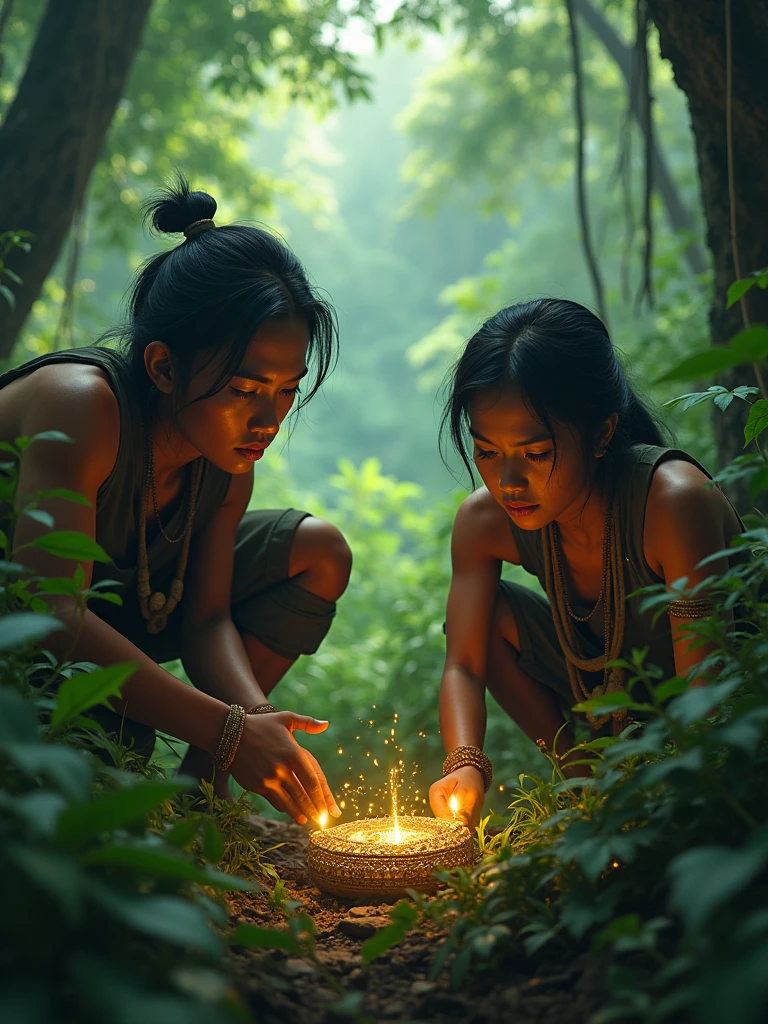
(420, 159)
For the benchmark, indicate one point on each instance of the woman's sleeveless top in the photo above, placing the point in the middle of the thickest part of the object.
(118, 500)
(635, 471)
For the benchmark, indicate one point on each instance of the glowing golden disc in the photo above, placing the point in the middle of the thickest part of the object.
(382, 857)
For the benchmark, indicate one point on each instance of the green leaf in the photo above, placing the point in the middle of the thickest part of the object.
(84, 821)
(672, 688)
(252, 936)
(88, 689)
(25, 627)
(611, 702)
(703, 879)
(40, 516)
(748, 346)
(12, 275)
(704, 363)
(404, 913)
(109, 598)
(383, 940)
(55, 873)
(8, 295)
(737, 289)
(459, 967)
(71, 544)
(167, 918)
(68, 770)
(757, 422)
(11, 567)
(48, 435)
(696, 397)
(183, 833)
(751, 344)
(213, 842)
(723, 401)
(57, 585)
(158, 862)
(403, 916)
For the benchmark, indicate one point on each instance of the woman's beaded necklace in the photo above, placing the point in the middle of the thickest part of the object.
(157, 607)
(558, 551)
(612, 595)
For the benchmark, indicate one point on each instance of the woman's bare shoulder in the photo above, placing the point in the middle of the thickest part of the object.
(684, 510)
(679, 488)
(482, 528)
(73, 398)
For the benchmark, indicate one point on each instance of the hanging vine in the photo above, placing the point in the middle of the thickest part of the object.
(581, 191)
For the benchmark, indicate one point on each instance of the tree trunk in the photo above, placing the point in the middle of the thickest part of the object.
(55, 128)
(693, 39)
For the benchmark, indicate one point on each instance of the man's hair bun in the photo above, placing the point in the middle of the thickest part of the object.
(173, 208)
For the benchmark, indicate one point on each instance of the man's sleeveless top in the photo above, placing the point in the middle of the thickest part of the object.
(635, 471)
(118, 500)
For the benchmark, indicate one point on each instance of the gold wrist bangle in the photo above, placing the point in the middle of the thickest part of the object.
(261, 709)
(230, 738)
(469, 756)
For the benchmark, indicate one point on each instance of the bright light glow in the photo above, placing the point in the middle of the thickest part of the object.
(453, 803)
(322, 821)
(396, 836)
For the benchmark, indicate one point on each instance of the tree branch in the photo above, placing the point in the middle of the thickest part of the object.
(646, 285)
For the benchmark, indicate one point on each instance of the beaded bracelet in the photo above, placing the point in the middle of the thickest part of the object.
(697, 608)
(470, 756)
(261, 709)
(230, 738)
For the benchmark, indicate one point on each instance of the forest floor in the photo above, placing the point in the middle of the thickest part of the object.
(280, 989)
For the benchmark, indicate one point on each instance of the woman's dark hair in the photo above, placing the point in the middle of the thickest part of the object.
(561, 357)
(210, 294)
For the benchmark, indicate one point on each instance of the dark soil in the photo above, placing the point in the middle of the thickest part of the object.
(283, 990)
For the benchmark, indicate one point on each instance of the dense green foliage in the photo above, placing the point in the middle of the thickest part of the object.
(108, 876)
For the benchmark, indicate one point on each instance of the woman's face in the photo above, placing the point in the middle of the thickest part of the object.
(514, 454)
(233, 427)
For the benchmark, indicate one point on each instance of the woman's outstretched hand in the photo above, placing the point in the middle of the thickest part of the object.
(271, 763)
(467, 786)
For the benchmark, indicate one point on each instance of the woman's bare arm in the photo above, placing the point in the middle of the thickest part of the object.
(481, 540)
(212, 650)
(685, 522)
(83, 406)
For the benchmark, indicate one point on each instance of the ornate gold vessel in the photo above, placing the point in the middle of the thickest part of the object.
(382, 857)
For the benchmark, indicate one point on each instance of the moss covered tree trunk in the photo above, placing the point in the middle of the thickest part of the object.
(693, 39)
(55, 128)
